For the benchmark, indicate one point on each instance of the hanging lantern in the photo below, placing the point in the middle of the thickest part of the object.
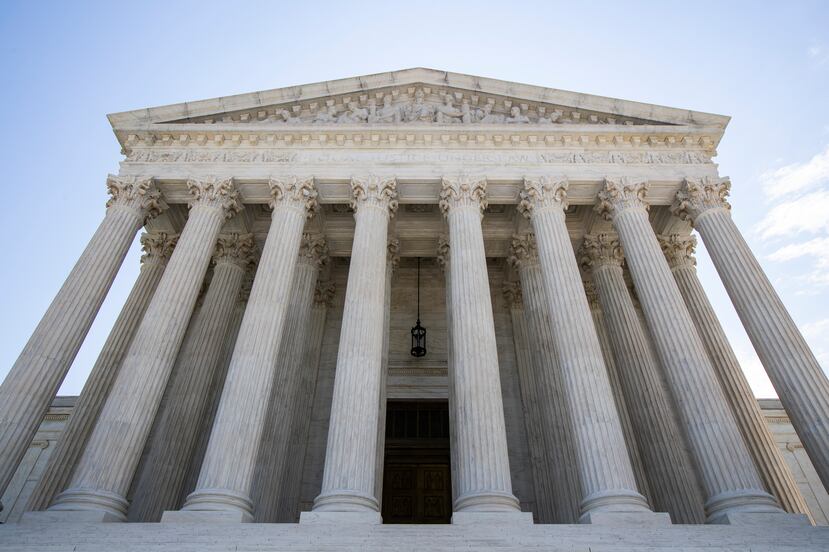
(418, 332)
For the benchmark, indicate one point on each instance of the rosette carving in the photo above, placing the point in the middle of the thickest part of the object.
(298, 192)
(679, 250)
(523, 251)
(462, 191)
(696, 196)
(313, 250)
(138, 193)
(375, 191)
(600, 250)
(238, 249)
(157, 247)
(542, 193)
(215, 192)
(620, 194)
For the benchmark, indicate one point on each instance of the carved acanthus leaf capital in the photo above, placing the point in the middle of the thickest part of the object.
(679, 250)
(294, 191)
(620, 194)
(696, 196)
(215, 192)
(313, 250)
(235, 249)
(600, 250)
(514, 295)
(393, 253)
(374, 191)
(542, 193)
(157, 247)
(592, 294)
(138, 193)
(462, 191)
(442, 256)
(324, 293)
(523, 251)
(247, 284)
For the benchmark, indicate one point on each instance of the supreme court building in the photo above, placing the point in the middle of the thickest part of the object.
(411, 298)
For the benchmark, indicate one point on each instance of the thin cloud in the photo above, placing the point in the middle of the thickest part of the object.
(796, 177)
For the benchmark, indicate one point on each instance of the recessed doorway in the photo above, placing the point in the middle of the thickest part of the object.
(417, 484)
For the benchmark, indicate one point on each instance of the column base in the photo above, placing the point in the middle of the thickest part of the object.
(345, 501)
(487, 502)
(765, 519)
(742, 505)
(492, 518)
(206, 516)
(627, 519)
(340, 518)
(96, 504)
(70, 516)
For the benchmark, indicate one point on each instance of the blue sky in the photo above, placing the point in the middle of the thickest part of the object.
(66, 65)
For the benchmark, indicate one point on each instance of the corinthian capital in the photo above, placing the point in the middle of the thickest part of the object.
(679, 250)
(542, 193)
(514, 295)
(313, 250)
(621, 194)
(462, 191)
(324, 293)
(296, 192)
(696, 196)
(236, 249)
(443, 252)
(138, 193)
(592, 294)
(215, 192)
(393, 253)
(523, 251)
(600, 250)
(374, 191)
(157, 247)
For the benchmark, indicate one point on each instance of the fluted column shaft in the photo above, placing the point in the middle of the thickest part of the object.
(108, 464)
(290, 365)
(607, 479)
(70, 446)
(348, 483)
(773, 469)
(556, 427)
(160, 481)
(443, 254)
(672, 482)
(36, 375)
(794, 371)
(227, 471)
(483, 472)
(730, 480)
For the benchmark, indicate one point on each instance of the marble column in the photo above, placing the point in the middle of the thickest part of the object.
(392, 260)
(289, 366)
(730, 481)
(800, 382)
(483, 474)
(35, 377)
(160, 481)
(288, 508)
(606, 475)
(616, 386)
(679, 251)
(556, 425)
(104, 473)
(442, 258)
(224, 487)
(674, 488)
(538, 447)
(351, 453)
(157, 249)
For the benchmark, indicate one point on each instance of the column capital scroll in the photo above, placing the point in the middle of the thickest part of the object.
(621, 194)
(679, 250)
(374, 191)
(699, 195)
(313, 250)
(215, 192)
(514, 295)
(599, 250)
(542, 193)
(236, 249)
(295, 191)
(157, 247)
(523, 251)
(462, 191)
(138, 193)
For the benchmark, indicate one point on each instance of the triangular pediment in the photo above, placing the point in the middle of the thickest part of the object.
(414, 97)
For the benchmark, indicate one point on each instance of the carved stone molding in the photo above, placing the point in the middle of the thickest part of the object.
(393, 253)
(215, 192)
(374, 191)
(514, 295)
(679, 250)
(523, 250)
(313, 250)
(696, 196)
(592, 294)
(324, 293)
(442, 255)
(463, 191)
(621, 194)
(298, 192)
(138, 193)
(157, 247)
(600, 250)
(546, 192)
(237, 249)
(247, 283)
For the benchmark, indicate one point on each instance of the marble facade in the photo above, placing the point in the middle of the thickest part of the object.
(248, 375)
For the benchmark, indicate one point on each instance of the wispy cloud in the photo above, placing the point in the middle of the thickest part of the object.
(796, 177)
(818, 53)
(815, 333)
